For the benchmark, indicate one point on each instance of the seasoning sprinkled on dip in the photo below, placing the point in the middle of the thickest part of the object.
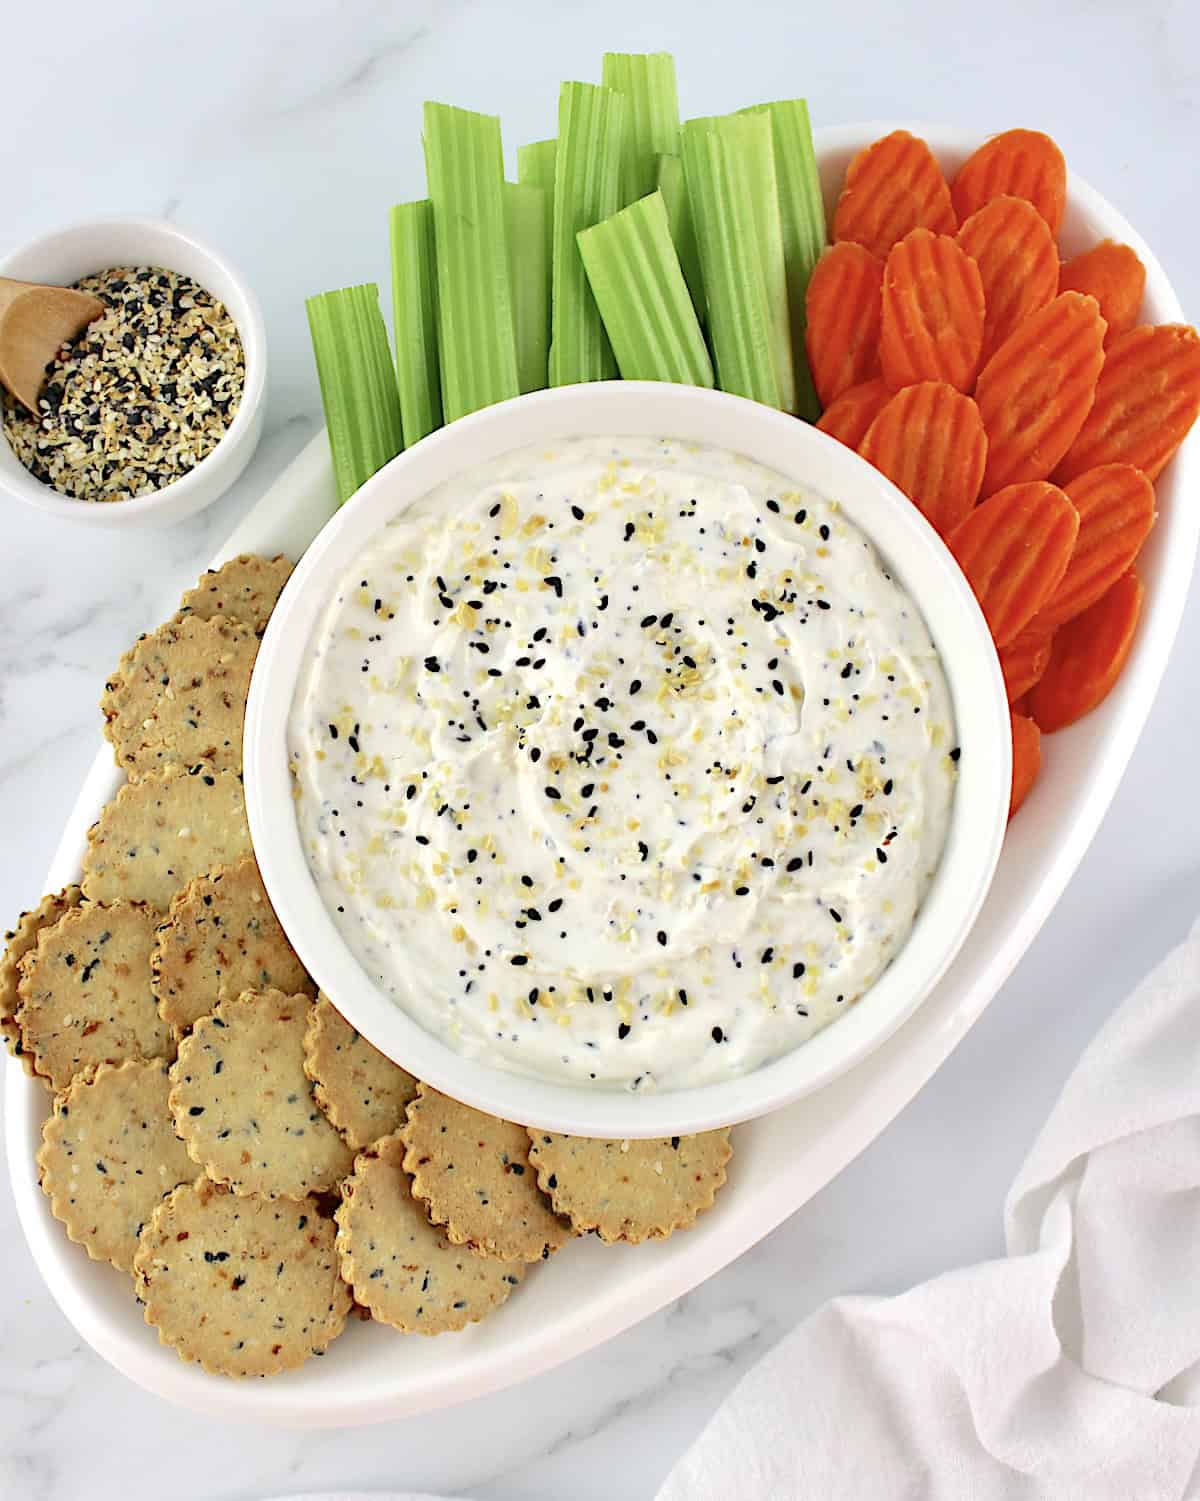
(624, 764)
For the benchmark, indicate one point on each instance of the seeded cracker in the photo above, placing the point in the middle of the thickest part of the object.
(221, 937)
(109, 1153)
(472, 1172)
(85, 993)
(160, 832)
(399, 1265)
(244, 1286)
(18, 942)
(244, 589)
(179, 697)
(363, 1093)
(244, 1106)
(631, 1190)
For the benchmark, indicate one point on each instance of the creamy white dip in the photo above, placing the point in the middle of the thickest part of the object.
(624, 763)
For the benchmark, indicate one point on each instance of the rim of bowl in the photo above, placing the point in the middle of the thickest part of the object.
(910, 546)
(251, 330)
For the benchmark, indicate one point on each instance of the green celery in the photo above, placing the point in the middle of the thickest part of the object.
(646, 80)
(465, 169)
(535, 167)
(679, 215)
(358, 384)
(642, 296)
(587, 164)
(525, 214)
(802, 210)
(735, 285)
(414, 319)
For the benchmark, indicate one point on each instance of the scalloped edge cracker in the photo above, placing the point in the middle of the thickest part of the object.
(18, 942)
(243, 589)
(363, 1093)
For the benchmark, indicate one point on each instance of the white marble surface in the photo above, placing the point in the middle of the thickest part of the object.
(281, 130)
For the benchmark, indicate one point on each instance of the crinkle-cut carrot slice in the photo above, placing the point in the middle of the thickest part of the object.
(1088, 655)
(1037, 389)
(929, 441)
(1025, 658)
(843, 308)
(1014, 550)
(1113, 274)
(892, 186)
(1012, 245)
(1019, 164)
(848, 418)
(1026, 759)
(1147, 398)
(1116, 512)
(933, 313)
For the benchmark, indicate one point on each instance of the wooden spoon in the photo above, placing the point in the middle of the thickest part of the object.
(34, 322)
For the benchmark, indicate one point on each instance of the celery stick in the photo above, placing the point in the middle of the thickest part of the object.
(802, 210)
(358, 384)
(642, 296)
(679, 215)
(647, 82)
(414, 319)
(587, 163)
(535, 167)
(735, 286)
(525, 214)
(465, 169)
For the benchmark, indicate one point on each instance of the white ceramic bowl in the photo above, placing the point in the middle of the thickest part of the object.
(62, 258)
(913, 552)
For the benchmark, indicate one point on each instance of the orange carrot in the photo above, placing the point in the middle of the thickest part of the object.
(892, 186)
(933, 313)
(1116, 511)
(1036, 390)
(1087, 657)
(1020, 164)
(1146, 401)
(843, 307)
(1018, 261)
(1014, 550)
(848, 418)
(929, 441)
(1026, 759)
(1024, 659)
(1115, 277)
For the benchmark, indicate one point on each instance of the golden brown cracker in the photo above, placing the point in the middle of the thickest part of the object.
(18, 942)
(245, 1286)
(220, 937)
(244, 589)
(85, 995)
(178, 697)
(473, 1175)
(630, 1190)
(160, 832)
(362, 1092)
(244, 1105)
(109, 1153)
(402, 1268)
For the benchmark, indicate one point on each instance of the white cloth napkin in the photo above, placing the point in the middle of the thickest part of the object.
(1068, 1371)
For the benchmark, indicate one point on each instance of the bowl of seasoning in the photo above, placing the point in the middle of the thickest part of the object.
(627, 759)
(156, 408)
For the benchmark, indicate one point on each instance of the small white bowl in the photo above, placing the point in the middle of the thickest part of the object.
(914, 553)
(82, 249)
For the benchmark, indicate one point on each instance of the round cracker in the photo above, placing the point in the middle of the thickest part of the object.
(630, 1190)
(244, 1105)
(178, 697)
(362, 1092)
(109, 1153)
(160, 832)
(402, 1268)
(244, 1286)
(472, 1173)
(85, 995)
(221, 937)
(244, 589)
(18, 942)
